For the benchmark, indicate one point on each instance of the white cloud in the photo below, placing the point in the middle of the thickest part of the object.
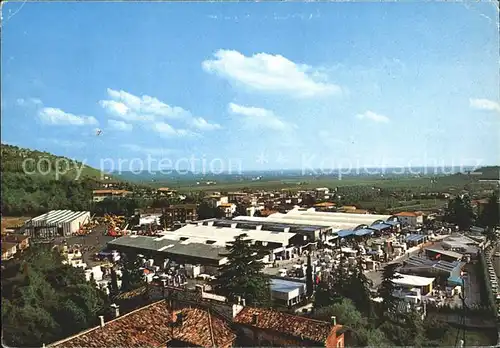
(202, 124)
(133, 108)
(57, 116)
(115, 107)
(269, 73)
(258, 117)
(29, 102)
(484, 104)
(166, 130)
(372, 116)
(120, 125)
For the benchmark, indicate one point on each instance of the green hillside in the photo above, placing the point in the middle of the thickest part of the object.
(488, 173)
(34, 182)
(33, 162)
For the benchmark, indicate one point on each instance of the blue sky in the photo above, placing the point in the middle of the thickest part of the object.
(272, 85)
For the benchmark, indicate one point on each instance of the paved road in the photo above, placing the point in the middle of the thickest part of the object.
(472, 286)
(93, 243)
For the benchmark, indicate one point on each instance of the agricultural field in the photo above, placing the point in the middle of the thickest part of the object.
(424, 184)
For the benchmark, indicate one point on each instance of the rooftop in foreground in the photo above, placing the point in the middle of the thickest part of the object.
(151, 326)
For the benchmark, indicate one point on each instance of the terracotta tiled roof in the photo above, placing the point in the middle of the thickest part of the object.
(267, 212)
(300, 327)
(348, 207)
(152, 326)
(325, 204)
(406, 213)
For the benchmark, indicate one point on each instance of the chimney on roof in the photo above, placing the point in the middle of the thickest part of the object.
(334, 320)
(101, 318)
(115, 310)
(255, 319)
(238, 299)
(243, 302)
(177, 318)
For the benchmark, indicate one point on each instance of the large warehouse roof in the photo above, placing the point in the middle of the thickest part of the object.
(59, 216)
(337, 217)
(168, 246)
(222, 235)
(244, 222)
(295, 221)
(412, 280)
(311, 217)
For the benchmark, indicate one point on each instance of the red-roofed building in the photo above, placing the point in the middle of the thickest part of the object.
(410, 218)
(264, 327)
(199, 319)
(157, 325)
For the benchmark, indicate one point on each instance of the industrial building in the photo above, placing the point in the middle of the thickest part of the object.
(447, 273)
(311, 232)
(333, 221)
(56, 223)
(215, 235)
(206, 245)
(287, 292)
(181, 251)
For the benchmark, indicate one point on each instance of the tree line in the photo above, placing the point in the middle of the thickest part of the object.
(461, 212)
(44, 300)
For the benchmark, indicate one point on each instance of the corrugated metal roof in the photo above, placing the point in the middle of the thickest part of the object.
(446, 252)
(345, 233)
(380, 227)
(414, 237)
(321, 219)
(286, 286)
(227, 234)
(169, 246)
(363, 232)
(59, 216)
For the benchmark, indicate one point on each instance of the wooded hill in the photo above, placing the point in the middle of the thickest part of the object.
(28, 190)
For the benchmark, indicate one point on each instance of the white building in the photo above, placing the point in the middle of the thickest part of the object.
(228, 208)
(287, 292)
(335, 221)
(412, 219)
(220, 236)
(215, 201)
(57, 223)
